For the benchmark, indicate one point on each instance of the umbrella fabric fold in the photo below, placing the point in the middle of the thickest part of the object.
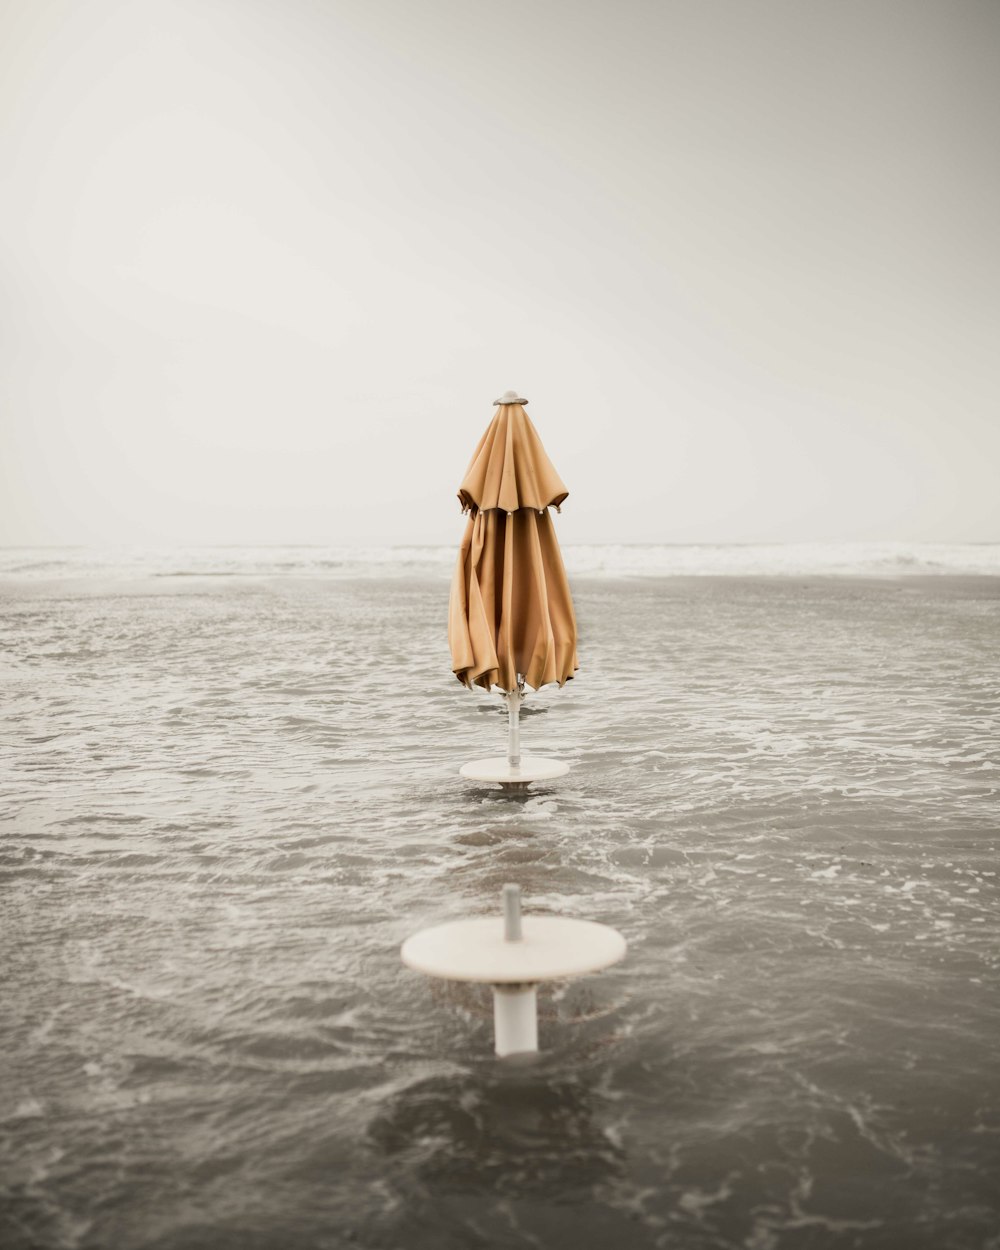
(511, 612)
(509, 468)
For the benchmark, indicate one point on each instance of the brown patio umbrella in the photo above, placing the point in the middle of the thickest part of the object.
(511, 623)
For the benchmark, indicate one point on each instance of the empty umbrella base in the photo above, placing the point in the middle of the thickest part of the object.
(513, 957)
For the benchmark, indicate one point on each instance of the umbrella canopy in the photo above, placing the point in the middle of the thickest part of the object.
(511, 618)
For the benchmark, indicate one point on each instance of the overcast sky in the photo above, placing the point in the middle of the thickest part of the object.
(266, 264)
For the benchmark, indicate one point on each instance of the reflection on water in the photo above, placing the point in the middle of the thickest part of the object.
(228, 802)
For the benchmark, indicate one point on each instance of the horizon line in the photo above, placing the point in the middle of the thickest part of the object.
(393, 546)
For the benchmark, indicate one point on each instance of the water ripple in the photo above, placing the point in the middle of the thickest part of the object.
(226, 804)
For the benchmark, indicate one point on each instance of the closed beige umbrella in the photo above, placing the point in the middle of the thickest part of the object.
(511, 623)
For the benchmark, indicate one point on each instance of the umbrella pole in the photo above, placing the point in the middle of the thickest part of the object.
(514, 698)
(512, 771)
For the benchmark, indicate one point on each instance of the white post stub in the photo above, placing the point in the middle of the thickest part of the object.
(515, 1019)
(510, 896)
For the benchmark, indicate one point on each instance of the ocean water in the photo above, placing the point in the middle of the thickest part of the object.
(616, 560)
(229, 791)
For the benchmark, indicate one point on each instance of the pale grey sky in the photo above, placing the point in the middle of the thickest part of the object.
(266, 264)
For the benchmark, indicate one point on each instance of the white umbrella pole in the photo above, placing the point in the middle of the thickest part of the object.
(512, 771)
(515, 1007)
(514, 698)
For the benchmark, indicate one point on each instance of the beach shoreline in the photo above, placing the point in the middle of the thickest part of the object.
(964, 584)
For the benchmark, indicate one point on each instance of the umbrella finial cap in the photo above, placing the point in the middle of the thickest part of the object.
(509, 397)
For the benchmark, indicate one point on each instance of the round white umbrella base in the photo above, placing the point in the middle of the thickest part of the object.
(551, 948)
(499, 769)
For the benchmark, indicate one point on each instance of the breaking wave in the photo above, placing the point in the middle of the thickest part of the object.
(610, 560)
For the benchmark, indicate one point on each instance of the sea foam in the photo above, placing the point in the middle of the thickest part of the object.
(609, 560)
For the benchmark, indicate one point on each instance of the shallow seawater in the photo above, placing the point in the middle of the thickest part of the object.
(225, 803)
